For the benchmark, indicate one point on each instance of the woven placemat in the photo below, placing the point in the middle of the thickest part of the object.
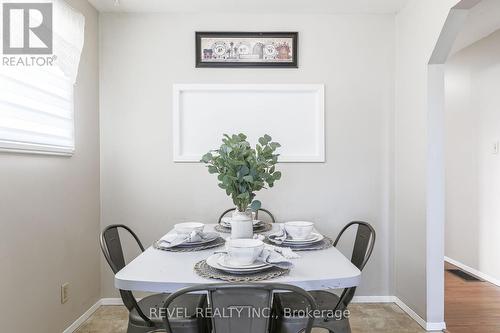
(325, 243)
(204, 270)
(219, 241)
(264, 228)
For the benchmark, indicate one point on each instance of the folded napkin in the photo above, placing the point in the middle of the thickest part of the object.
(174, 239)
(274, 258)
(284, 251)
(279, 236)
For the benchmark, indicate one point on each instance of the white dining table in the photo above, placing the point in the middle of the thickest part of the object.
(164, 271)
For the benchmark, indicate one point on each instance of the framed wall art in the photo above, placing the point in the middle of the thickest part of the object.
(247, 49)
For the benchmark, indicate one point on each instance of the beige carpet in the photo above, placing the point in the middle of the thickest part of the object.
(365, 318)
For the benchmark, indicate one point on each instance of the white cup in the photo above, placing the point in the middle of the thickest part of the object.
(187, 228)
(299, 230)
(244, 251)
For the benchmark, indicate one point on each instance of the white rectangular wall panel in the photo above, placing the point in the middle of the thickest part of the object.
(293, 114)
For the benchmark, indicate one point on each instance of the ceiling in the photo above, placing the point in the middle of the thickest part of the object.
(252, 6)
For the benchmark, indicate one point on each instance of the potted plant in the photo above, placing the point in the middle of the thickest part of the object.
(242, 171)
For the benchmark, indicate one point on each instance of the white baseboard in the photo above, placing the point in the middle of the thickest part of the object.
(473, 271)
(430, 327)
(373, 299)
(112, 301)
(73, 327)
(435, 327)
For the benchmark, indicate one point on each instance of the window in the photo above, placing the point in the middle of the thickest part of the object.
(36, 110)
(36, 102)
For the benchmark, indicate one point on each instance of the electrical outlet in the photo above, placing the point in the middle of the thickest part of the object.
(64, 293)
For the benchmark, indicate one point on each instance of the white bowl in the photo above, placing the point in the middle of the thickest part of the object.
(244, 251)
(299, 230)
(188, 227)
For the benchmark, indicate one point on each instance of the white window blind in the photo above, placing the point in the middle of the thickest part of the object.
(36, 110)
(36, 102)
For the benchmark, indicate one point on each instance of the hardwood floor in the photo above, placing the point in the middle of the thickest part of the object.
(471, 307)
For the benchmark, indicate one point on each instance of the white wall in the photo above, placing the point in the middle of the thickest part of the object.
(142, 55)
(418, 27)
(473, 170)
(49, 216)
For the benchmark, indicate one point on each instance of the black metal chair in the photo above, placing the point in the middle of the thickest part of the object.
(256, 214)
(331, 305)
(143, 314)
(243, 308)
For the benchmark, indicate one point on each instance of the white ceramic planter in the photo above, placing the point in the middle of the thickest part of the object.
(241, 225)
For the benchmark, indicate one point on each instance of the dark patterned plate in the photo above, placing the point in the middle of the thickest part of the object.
(324, 244)
(204, 270)
(219, 241)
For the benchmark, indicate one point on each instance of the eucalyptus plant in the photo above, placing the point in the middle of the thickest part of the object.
(242, 170)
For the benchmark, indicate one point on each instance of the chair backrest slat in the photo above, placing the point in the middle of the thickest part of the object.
(242, 308)
(361, 245)
(361, 253)
(238, 310)
(114, 249)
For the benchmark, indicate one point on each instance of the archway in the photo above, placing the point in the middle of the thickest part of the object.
(435, 234)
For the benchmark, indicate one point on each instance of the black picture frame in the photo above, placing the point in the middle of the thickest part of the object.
(199, 35)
